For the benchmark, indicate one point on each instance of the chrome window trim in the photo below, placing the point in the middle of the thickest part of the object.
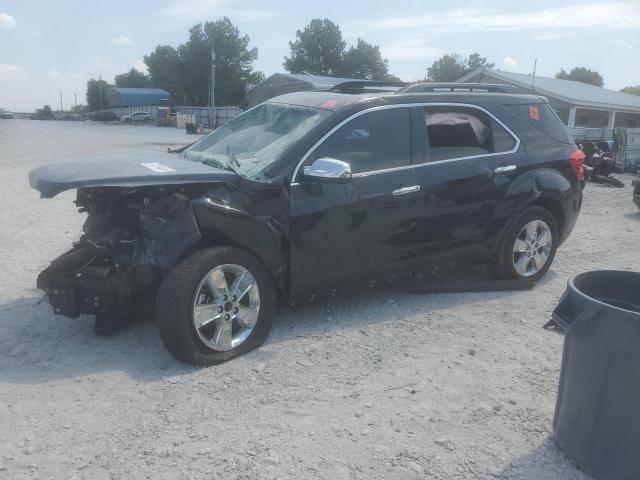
(408, 105)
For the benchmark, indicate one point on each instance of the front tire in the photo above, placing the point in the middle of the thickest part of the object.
(215, 305)
(528, 247)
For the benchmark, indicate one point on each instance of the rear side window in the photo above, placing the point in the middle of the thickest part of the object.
(541, 117)
(457, 132)
(374, 141)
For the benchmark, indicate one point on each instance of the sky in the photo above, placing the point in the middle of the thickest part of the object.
(48, 47)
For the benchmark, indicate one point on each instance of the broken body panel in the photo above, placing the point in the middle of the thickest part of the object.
(142, 217)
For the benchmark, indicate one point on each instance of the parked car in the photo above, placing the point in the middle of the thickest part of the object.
(104, 116)
(636, 191)
(6, 115)
(136, 117)
(71, 117)
(309, 193)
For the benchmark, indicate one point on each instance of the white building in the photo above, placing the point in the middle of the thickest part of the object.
(577, 104)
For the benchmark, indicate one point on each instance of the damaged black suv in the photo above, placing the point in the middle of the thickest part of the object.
(309, 193)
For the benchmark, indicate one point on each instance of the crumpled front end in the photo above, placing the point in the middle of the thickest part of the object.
(129, 238)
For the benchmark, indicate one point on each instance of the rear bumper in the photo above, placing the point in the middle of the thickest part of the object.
(571, 209)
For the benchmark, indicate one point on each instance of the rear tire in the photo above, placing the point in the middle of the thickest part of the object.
(523, 254)
(177, 302)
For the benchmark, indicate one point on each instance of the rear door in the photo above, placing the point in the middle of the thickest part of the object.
(364, 229)
(474, 179)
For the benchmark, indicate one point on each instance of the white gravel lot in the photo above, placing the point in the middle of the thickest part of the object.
(383, 384)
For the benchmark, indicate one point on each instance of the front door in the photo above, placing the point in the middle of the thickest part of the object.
(345, 233)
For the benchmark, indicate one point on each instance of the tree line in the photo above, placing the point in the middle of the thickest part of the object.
(318, 49)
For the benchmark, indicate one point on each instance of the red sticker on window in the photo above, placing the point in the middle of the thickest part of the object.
(534, 113)
(329, 104)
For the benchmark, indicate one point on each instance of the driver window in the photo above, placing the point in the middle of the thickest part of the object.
(374, 141)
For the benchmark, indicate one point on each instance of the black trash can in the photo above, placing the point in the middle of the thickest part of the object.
(597, 417)
(191, 128)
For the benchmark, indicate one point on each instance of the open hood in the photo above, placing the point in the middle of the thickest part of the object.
(122, 171)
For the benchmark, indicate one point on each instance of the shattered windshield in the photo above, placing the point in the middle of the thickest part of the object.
(253, 141)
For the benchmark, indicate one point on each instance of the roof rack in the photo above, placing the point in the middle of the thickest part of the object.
(455, 87)
(359, 86)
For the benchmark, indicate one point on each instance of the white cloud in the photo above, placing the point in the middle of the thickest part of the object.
(53, 74)
(14, 85)
(510, 64)
(7, 21)
(549, 36)
(408, 77)
(613, 15)
(11, 72)
(200, 10)
(140, 66)
(409, 49)
(123, 41)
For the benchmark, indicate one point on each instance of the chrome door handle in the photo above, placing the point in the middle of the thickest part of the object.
(505, 169)
(406, 190)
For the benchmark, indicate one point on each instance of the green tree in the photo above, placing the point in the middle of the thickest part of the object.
(634, 90)
(185, 72)
(165, 70)
(475, 61)
(318, 49)
(581, 74)
(364, 61)
(93, 94)
(448, 68)
(132, 79)
(452, 66)
(234, 63)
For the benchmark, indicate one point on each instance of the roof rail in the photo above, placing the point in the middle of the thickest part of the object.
(454, 87)
(359, 86)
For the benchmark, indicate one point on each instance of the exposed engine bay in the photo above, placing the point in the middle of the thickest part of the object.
(129, 237)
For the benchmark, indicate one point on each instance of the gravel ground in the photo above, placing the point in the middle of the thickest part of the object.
(383, 384)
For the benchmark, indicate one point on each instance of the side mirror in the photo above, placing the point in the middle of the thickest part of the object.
(328, 170)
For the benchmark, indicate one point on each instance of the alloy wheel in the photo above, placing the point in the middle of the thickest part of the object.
(532, 248)
(226, 306)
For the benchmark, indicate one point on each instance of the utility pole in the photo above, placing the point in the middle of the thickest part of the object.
(533, 79)
(61, 100)
(213, 74)
(100, 84)
(75, 96)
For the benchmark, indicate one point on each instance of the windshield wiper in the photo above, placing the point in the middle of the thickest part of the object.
(232, 155)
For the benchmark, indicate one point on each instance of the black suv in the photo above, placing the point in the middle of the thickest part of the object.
(309, 193)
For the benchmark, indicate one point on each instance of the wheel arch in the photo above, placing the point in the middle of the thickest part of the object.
(554, 207)
(277, 273)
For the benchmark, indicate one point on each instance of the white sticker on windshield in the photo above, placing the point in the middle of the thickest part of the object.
(158, 167)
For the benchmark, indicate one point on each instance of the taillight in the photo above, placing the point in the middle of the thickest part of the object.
(577, 159)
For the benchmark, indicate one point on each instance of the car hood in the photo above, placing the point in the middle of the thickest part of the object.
(122, 171)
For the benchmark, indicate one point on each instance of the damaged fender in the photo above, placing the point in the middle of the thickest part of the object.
(115, 264)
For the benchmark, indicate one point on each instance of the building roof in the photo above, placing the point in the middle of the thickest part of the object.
(570, 91)
(317, 82)
(141, 91)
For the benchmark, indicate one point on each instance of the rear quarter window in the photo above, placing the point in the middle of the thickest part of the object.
(541, 117)
(460, 132)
